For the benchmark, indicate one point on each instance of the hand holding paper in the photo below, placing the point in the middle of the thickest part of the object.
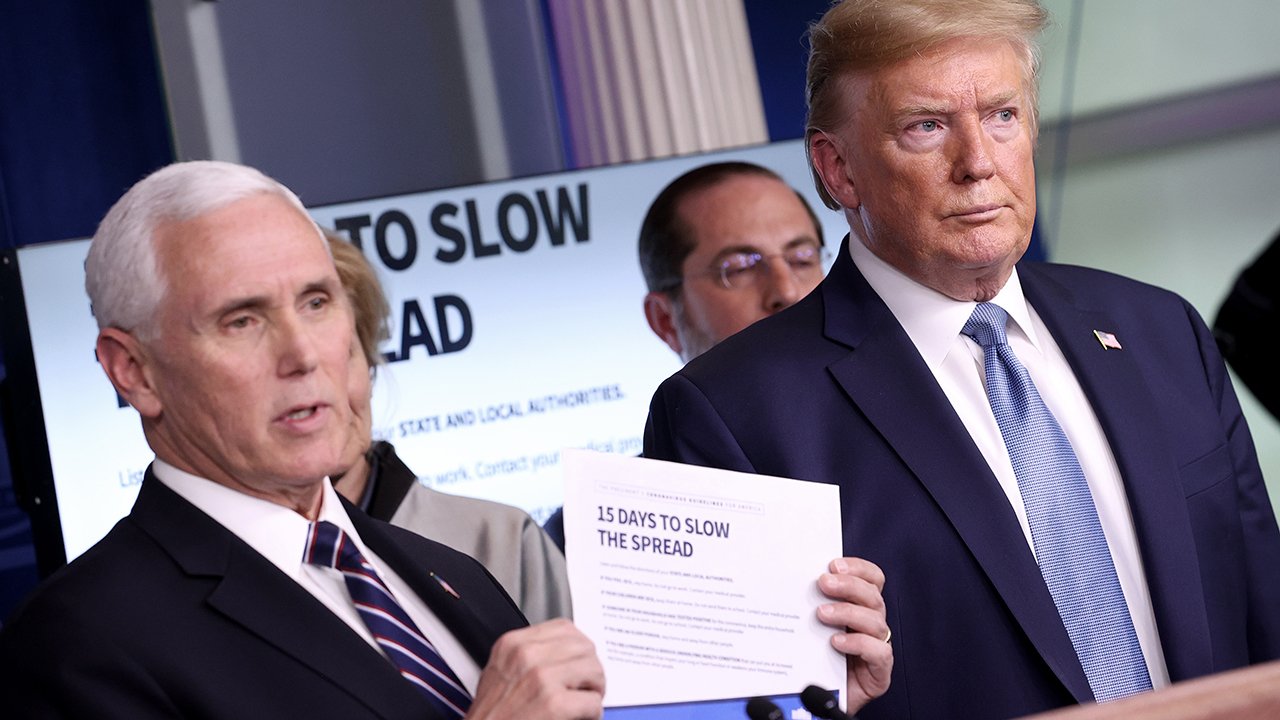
(698, 584)
(861, 617)
(547, 671)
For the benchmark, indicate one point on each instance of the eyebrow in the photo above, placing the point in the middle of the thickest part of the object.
(907, 111)
(735, 249)
(912, 110)
(258, 302)
(323, 285)
(236, 305)
(1003, 98)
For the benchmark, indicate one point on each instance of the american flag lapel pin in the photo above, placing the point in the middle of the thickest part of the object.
(1107, 339)
(447, 588)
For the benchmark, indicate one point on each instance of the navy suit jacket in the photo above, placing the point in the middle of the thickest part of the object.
(173, 616)
(832, 390)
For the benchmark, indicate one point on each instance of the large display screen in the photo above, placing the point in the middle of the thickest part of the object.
(517, 330)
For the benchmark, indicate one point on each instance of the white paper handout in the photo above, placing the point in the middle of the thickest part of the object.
(696, 583)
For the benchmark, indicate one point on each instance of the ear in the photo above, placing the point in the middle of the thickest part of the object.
(128, 367)
(831, 161)
(661, 314)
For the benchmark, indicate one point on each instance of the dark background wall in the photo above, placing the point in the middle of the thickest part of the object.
(81, 119)
(778, 39)
(341, 100)
(81, 113)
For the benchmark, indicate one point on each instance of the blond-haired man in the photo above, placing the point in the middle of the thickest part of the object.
(1048, 463)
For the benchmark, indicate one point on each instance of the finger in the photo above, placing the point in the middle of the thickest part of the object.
(855, 619)
(531, 675)
(536, 703)
(560, 680)
(858, 567)
(584, 674)
(850, 588)
(870, 667)
(556, 630)
(874, 651)
(558, 649)
(546, 643)
(582, 706)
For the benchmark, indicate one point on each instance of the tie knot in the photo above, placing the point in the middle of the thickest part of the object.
(986, 325)
(325, 543)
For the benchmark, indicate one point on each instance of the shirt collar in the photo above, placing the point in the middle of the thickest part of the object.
(278, 533)
(933, 320)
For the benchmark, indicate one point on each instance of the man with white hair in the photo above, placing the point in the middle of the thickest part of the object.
(1048, 462)
(240, 585)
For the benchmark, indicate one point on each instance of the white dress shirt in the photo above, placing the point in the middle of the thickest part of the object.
(280, 535)
(933, 321)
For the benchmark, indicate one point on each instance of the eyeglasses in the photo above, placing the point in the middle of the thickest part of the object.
(746, 269)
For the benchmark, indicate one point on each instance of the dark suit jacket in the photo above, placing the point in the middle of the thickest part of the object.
(171, 615)
(832, 390)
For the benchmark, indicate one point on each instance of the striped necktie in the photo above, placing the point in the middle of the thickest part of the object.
(397, 635)
(1070, 546)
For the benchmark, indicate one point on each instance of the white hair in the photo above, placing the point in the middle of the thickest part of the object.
(122, 276)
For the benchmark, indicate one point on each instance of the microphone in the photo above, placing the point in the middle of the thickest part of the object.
(759, 708)
(822, 703)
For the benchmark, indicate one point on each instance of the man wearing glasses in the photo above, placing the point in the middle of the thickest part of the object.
(723, 246)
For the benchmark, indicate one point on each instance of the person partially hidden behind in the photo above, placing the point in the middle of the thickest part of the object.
(504, 539)
(1048, 462)
(722, 246)
(1248, 327)
(240, 585)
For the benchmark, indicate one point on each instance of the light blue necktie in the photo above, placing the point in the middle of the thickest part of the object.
(1070, 547)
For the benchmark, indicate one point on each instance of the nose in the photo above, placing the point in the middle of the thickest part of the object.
(971, 153)
(781, 289)
(296, 347)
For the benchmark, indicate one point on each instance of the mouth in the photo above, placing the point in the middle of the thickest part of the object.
(302, 417)
(978, 213)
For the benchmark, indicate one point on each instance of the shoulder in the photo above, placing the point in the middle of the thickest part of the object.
(84, 635)
(1137, 307)
(791, 342)
(472, 507)
(442, 516)
(1096, 289)
(88, 603)
(501, 537)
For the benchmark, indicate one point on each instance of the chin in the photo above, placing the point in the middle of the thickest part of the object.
(988, 250)
(312, 466)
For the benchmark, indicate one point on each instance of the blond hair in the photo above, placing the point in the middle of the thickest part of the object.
(369, 306)
(866, 35)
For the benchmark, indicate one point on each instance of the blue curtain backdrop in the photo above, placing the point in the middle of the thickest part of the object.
(82, 117)
(782, 52)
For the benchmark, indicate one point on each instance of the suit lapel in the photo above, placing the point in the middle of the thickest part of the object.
(254, 594)
(474, 632)
(884, 373)
(1124, 405)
